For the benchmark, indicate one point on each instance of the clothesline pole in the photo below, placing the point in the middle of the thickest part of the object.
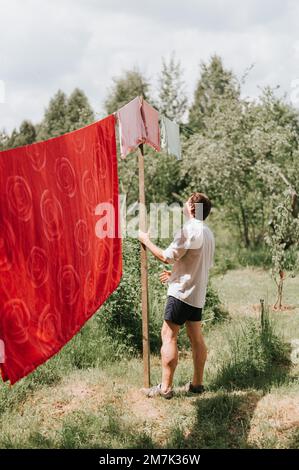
(144, 275)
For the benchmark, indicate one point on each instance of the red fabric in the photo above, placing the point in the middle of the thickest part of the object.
(54, 271)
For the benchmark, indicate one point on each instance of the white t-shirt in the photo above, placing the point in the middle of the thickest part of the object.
(192, 253)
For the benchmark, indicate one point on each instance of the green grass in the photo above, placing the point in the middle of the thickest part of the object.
(88, 395)
(241, 290)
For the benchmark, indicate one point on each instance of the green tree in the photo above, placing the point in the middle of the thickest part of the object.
(282, 239)
(172, 99)
(54, 122)
(3, 139)
(230, 160)
(79, 112)
(126, 88)
(26, 135)
(215, 83)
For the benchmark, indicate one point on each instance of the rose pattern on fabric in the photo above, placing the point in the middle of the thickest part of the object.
(66, 180)
(7, 283)
(49, 327)
(37, 266)
(100, 162)
(78, 142)
(82, 237)
(69, 284)
(37, 156)
(15, 319)
(51, 213)
(89, 189)
(54, 271)
(19, 197)
(89, 292)
(7, 244)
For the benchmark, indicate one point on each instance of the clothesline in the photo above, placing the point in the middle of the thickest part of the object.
(181, 125)
(139, 122)
(56, 277)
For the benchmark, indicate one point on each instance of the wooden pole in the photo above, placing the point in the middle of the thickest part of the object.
(144, 277)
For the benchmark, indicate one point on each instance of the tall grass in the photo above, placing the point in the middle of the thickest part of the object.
(258, 356)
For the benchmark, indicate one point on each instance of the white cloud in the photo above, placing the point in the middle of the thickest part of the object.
(64, 44)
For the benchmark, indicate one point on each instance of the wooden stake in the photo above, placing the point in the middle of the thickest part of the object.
(144, 276)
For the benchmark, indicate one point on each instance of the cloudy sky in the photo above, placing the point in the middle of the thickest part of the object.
(50, 44)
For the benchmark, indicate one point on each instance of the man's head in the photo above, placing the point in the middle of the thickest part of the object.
(198, 205)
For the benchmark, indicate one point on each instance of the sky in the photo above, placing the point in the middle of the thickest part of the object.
(62, 44)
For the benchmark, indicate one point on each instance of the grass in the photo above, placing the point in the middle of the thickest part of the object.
(241, 290)
(88, 395)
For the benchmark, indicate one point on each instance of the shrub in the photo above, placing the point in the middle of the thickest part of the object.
(120, 316)
(213, 310)
(257, 356)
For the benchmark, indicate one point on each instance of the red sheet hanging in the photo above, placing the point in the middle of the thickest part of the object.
(55, 271)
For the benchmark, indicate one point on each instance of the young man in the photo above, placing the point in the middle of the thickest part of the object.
(191, 254)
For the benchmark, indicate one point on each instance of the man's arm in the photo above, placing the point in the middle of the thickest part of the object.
(154, 249)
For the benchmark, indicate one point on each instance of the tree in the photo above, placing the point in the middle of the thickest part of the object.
(78, 111)
(172, 97)
(126, 88)
(26, 135)
(231, 160)
(215, 83)
(55, 118)
(283, 239)
(3, 139)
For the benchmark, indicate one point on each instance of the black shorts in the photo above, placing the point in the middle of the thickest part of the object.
(178, 312)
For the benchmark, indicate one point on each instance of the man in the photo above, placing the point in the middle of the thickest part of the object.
(191, 254)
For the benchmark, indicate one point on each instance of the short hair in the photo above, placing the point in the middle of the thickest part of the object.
(200, 198)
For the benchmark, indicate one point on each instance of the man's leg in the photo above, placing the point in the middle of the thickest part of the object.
(169, 353)
(199, 350)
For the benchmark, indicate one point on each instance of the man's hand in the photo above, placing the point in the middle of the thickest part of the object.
(164, 276)
(154, 249)
(143, 237)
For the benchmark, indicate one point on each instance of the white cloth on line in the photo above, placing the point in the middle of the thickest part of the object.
(170, 137)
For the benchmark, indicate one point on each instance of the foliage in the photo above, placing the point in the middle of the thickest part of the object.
(256, 352)
(4, 137)
(214, 311)
(125, 88)
(214, 84)
(172, 97)
(25, 135)
(230, 160)
(78, 110)
(65, 114)
(55, 119)
(283, 240)
(120, 316)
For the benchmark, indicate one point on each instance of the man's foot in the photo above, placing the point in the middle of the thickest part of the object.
(195, 388)
(157, 391)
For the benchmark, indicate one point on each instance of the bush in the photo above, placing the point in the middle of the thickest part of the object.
(213, 311)
(257, 356)
(120, 316)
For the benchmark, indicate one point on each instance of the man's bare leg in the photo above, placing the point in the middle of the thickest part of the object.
(169, 353)
(199, 350)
